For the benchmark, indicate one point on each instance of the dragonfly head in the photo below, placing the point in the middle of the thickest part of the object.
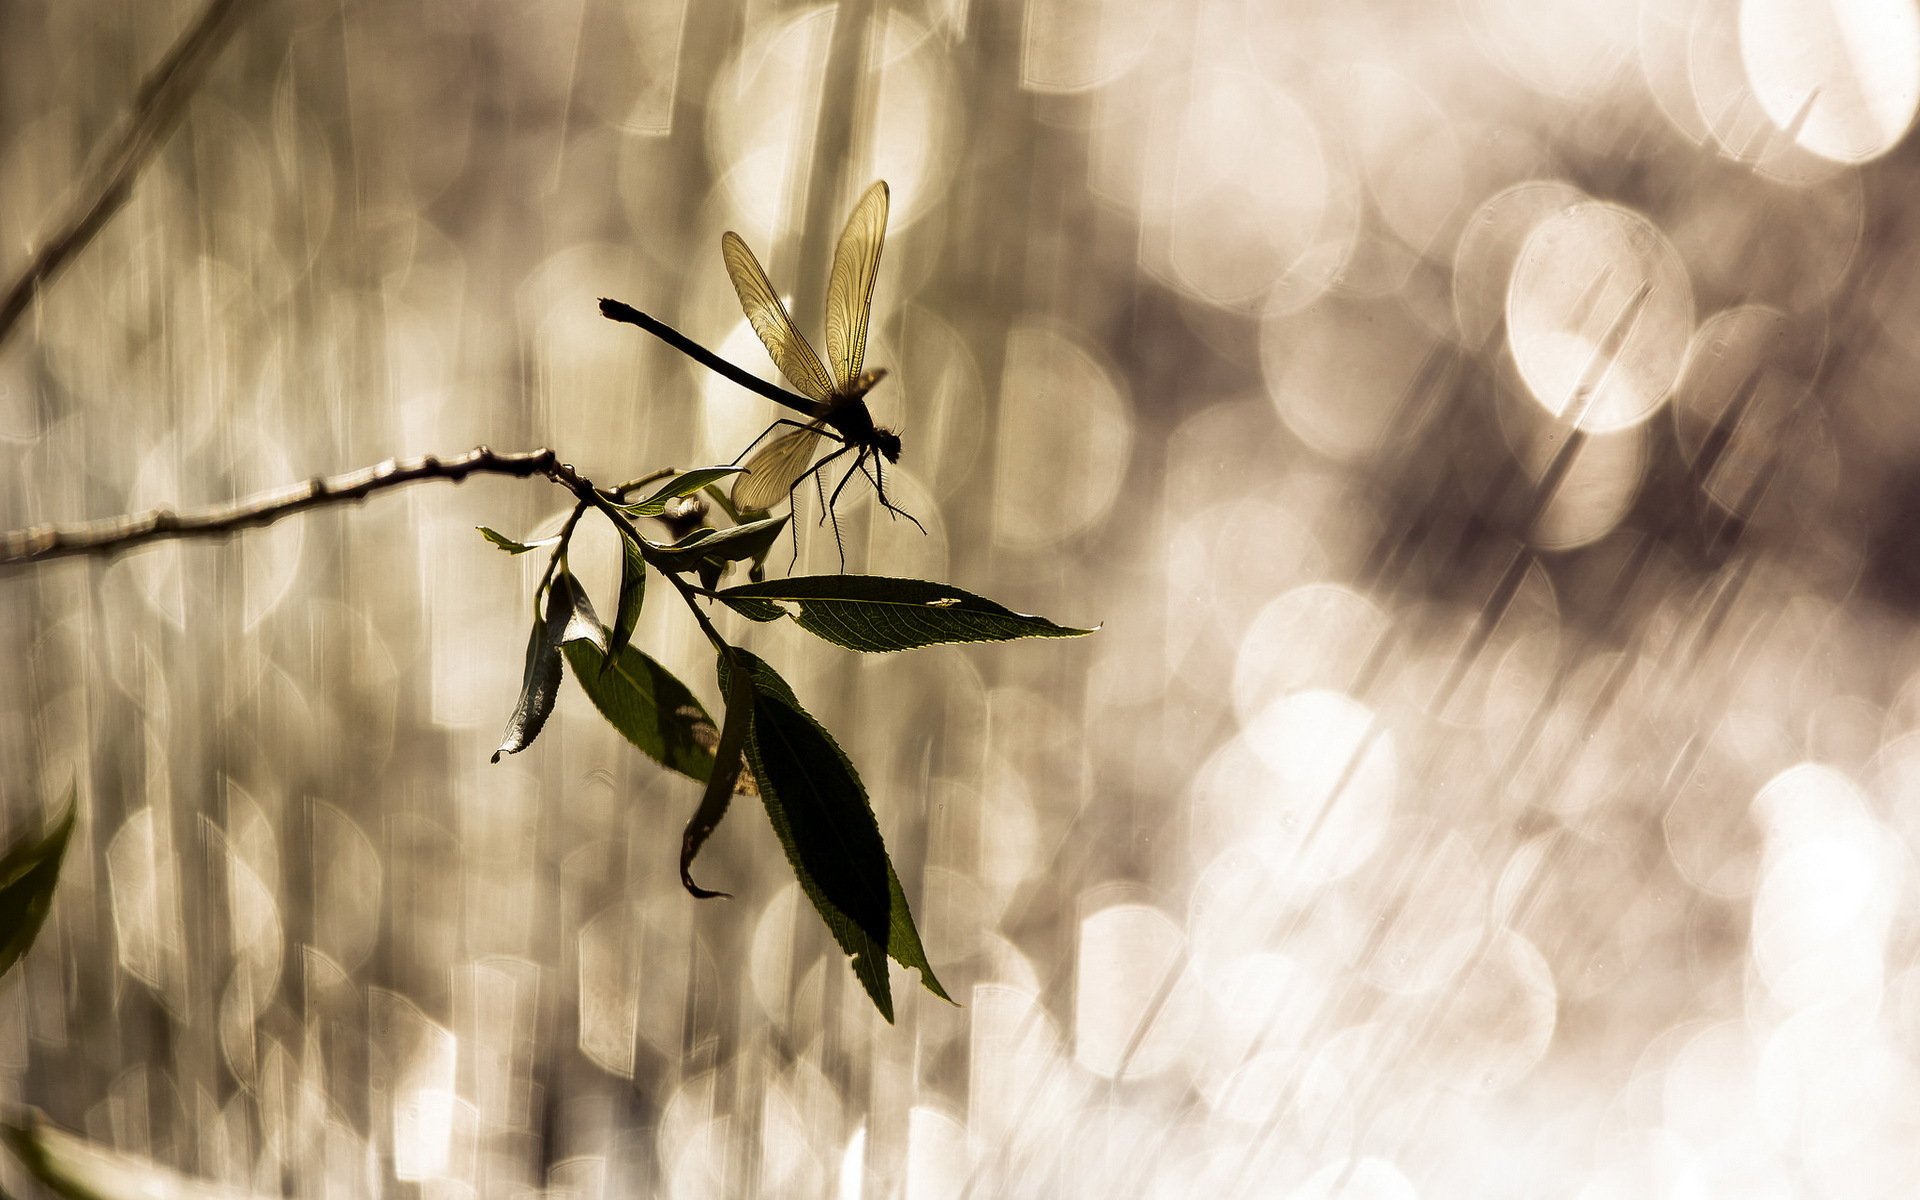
(889, 443)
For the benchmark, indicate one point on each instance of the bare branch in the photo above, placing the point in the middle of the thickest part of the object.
(156, 108)
(114, 534)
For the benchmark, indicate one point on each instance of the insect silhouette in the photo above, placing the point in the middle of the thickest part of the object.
(833, 400)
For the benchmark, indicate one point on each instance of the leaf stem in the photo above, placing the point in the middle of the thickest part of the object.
(560, 548)
(625, 526)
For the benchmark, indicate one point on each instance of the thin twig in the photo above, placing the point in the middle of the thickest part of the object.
(114, 534)
(156, 108)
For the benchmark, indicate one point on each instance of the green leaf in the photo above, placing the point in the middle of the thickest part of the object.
(718, 547)
(819, 811)
(751, 609)
(650, 708)
(509, 545)
(28, 873)
(684, 484)
(633, 592)
(540, 678)
(872, 612)
(720, 786)
(76, 1169)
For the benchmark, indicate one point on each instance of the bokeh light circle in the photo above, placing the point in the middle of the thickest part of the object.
(1599, 313)
(1841, 76)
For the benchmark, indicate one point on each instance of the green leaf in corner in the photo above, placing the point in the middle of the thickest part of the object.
(684, 484)
(875, 613)
(540, 678)
(633, 592)
(76, 1169)
(509, 545)
(819, 811)
(647, 704)
(28, 873)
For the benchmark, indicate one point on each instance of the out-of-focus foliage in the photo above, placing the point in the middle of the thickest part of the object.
(29, 871)
(76, 1169)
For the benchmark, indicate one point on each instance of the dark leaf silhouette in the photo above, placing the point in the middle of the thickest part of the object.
(28, 873)
(633, 592)
(540, 678)
(875, 613)
(818, 808)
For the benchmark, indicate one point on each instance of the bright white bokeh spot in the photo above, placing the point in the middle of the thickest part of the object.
(1309, 786)
(1366, 1178)
(1432, 914)
(1489, 243)
(425, 1057)
(1842, 75)
(1320, 635)
(1131, 1016)
(1599, 313)
(1821, 916)
(938, 1164)
(1707, 1092)
(1222, 226)
(1017, 1065)
(1496, 1021)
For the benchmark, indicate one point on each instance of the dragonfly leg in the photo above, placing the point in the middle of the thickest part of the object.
(859, 464)
(879, 487)
(838, 544)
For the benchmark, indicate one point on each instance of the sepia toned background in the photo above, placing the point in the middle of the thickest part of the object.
(1486, 432)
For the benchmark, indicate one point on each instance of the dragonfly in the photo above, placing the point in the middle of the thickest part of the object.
(832, 399)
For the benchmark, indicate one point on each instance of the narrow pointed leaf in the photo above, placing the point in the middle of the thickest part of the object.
(717, 547)
(875, 613)
(633, 592)
(727, 761)
(683, 484)
(28, 874)
(818, 808)
(540, 679)
(509, 545)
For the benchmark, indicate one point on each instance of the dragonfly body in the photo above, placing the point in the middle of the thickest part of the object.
(833, 401)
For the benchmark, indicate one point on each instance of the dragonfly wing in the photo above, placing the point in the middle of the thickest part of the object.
(850, 288)
(791, 353)
(775, 468)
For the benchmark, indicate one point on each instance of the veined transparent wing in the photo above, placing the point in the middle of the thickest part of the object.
(856, 261)
(793, 354)
(775, 468)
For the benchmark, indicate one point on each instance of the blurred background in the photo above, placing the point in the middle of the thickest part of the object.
(1485, 430)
